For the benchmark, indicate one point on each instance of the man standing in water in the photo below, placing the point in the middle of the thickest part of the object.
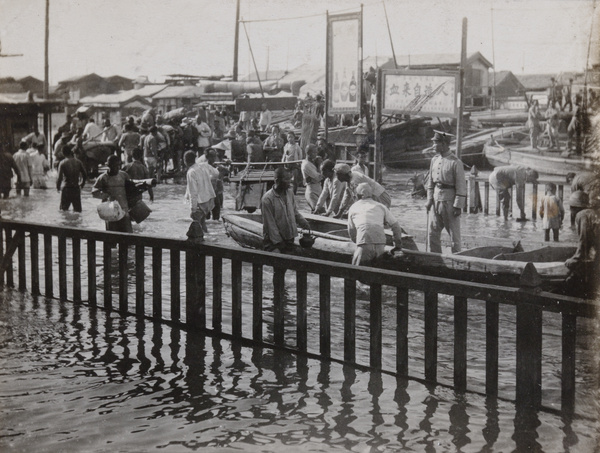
(199, 192)
(446, 193)
(70, 169)
(111, 186)
(503, 178)
(280, 215)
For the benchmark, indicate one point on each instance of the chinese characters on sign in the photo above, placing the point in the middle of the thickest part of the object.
(344, 60)
(420, 94)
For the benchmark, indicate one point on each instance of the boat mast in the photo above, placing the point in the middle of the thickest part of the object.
(493, 62)
(262, 92)
(390, 35)
(236, 41)
(461, 84)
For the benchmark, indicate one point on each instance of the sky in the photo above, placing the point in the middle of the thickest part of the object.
(154, 38)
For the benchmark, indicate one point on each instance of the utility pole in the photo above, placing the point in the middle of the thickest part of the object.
(461, 84)
(236, 40)
(46, 71)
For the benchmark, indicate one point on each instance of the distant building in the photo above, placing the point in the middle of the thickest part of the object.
(120, 83)
(79, 87)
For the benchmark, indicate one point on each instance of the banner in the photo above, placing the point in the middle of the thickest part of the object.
(427, 93)
(344, 63)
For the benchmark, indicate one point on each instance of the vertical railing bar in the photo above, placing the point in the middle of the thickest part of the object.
(278, 306)
(375, 310)
(217, 305)
(325, 315)
(91, 262)
(106, 265)
(35, 263)
(301, 311)
(156, 282)
(349, 320)
(491, 347)
(431, 335)
(9, 270)
(2, 237)
(175, 260)
(48, 281)
(402, 331)
(569, 337)
(76, 253)
(257, 301)
(236, 298)
(123, 287)
(62, 267)
(460, 343)
(22, 262)
(529, 355)
(140, 280)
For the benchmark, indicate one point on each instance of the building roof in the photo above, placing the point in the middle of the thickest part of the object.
(535, 82)
(275, 74)
(122, 97)
(30, 79)
(80, 78)
(22, 99)
(180, 92)
(424, 60)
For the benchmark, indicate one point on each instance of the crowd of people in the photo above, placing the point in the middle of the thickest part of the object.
(332, 188)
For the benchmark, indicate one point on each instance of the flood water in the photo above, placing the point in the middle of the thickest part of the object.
(75, 378)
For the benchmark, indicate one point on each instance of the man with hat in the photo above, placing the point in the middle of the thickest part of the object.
(446, 193)
(366, 220)
(280, 214)
(353, 178)
(584, 265)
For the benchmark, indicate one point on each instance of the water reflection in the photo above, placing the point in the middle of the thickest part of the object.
(183, 391)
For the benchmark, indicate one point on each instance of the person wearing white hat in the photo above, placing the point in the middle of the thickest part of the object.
(446, 193)
(353, 179)
(366, 220)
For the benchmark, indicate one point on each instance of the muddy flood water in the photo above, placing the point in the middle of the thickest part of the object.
(77, 378)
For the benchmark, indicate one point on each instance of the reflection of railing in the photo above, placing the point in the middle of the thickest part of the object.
(530, 304)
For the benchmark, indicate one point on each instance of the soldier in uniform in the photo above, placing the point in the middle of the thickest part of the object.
(446, 193)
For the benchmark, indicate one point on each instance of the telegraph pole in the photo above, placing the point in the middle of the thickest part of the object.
(461, 84)
(236, 40)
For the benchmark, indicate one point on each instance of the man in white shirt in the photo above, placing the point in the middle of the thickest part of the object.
(92, 131)
(366, 219)
(265, 117)
(332, 193)
(199, 192)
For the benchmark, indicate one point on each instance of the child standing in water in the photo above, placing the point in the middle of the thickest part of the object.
(552, 212)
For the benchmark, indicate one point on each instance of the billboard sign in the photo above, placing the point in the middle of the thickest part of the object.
(344, 63)
(425, 93)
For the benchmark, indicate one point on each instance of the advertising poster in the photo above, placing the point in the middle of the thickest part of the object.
(420, 93)
(344, 40)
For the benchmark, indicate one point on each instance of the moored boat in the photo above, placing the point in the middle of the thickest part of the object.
(545, 162)
(495, 265)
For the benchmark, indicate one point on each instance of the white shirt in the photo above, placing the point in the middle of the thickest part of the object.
(366, 219)
(92, 131)
(265, 117)
(199, 186)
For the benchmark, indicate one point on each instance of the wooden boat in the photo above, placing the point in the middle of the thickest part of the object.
(546, 162)
(495, 265)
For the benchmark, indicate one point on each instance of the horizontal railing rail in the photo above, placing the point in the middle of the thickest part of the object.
(126, 266)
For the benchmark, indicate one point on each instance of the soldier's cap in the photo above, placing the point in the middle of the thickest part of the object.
(342, 168)
(440, 136)
(364, 189)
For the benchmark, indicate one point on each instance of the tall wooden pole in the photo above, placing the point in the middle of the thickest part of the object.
(47, 115)
(390, 35)
(236, 41)
(46, 82)
(461, 84)
(378, 106)
(327, 93)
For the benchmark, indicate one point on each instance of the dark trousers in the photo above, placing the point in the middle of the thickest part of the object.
(70, 196)
(547, 234)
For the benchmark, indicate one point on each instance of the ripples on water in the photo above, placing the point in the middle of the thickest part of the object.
(75, 378)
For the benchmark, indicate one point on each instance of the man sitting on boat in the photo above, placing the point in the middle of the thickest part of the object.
(354, 178)
(503, 178)
(280, 215)
(366, 220)
(312, 176)
(446, 193)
